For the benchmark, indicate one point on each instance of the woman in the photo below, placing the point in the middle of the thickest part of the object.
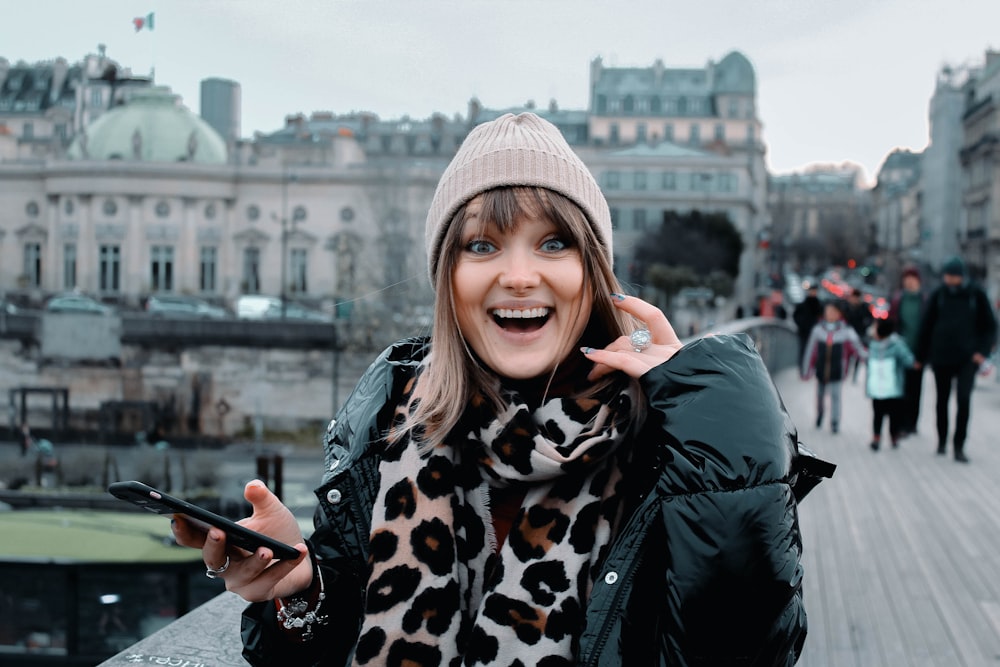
(535, 483)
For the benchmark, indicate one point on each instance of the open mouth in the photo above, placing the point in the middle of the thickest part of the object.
(521, 321)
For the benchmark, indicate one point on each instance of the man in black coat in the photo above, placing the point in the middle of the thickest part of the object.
(957, 334)
(806, 314)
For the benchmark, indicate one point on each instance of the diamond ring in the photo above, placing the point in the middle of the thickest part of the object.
(641, 339)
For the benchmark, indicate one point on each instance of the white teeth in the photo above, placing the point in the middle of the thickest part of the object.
(509, 313)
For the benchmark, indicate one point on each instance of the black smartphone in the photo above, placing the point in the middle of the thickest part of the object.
(163, 503)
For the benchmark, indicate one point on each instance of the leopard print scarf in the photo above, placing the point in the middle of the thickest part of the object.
(439, 592)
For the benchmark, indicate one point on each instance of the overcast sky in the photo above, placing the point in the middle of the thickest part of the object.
(837, 81)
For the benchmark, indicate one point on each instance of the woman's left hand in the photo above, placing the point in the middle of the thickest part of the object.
(622, 355)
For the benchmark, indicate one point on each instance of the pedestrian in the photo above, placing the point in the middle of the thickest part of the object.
(859, 315)
(806, 315)
(539, 481)
(906, 309)
(831, 347)
(957, 334)
(888, 358)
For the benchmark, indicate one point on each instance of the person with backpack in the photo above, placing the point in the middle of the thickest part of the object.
(957, 334)
(888, 359)
(832, 346)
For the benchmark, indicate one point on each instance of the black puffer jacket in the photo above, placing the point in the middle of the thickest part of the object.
(706, 569)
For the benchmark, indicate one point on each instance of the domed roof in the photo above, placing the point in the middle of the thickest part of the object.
(152, 126)
(734, 74)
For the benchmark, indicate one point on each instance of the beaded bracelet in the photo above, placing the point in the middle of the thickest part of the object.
(295, 613)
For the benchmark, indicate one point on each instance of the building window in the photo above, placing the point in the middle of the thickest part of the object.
(161, 268)
(701, 181)
(639, 219)
(299, 268)
(110, 208)
(668, 132)
(639, 178)
(682, 106)
(640, 132)
(612, 180)
(694, 134)
(31, 209)
(96, 97)
(615, 215)
(33, 264)
(751, 135)
(347, 214)
(253, 212)
(602, 104)
(60, 130)
(299, 214)
(210, 211)
(734, 108)
(655, 105)
(614, 136)
(28, 131)
(720, 132)
(251, 271)
(110, 267)
(162, 209)
(68, 206)
(69, 266)
(208, 268)
(669, 180)
(725, 182)
(628, 105)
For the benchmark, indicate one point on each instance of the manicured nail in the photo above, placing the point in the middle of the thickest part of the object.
(618, 297)
(586, 350)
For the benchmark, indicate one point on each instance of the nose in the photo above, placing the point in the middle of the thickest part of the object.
(520, 271)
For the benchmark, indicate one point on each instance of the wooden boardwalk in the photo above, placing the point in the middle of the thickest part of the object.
(901, 547)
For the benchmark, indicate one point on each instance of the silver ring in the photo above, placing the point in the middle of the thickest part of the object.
(640, 339)
(213, 573)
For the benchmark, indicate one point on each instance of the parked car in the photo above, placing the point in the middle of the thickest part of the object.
(77, 303)
(296, 311)
(260, 307)
(254, 306)
(176, 305)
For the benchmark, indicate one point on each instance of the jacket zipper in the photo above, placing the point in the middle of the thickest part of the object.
(626, 574)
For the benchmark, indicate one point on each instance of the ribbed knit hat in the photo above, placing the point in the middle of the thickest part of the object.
(514, 150)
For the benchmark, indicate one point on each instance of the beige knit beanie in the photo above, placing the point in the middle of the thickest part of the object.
(514, 150)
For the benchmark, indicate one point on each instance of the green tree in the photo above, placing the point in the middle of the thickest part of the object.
(689, 250)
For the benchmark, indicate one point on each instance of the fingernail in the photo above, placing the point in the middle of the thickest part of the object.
(618, 297)
(586, 350)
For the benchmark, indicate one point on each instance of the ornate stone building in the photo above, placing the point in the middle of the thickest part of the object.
(330, 208)
(680, 139)
(979, 233)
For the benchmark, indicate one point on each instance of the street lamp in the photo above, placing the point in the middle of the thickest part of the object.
(285, 178)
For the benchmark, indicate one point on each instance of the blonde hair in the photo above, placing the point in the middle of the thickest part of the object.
(450, 376)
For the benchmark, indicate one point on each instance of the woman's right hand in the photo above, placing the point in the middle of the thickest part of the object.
(254, 576)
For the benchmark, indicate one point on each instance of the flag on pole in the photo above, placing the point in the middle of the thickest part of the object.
(141, 22)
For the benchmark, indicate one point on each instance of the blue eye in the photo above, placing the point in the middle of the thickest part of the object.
(480, 247)
(554, 244)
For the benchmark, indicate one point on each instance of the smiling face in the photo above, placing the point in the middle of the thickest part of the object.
(519, 291)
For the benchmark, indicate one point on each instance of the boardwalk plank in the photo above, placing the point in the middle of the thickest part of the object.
(901, 549)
